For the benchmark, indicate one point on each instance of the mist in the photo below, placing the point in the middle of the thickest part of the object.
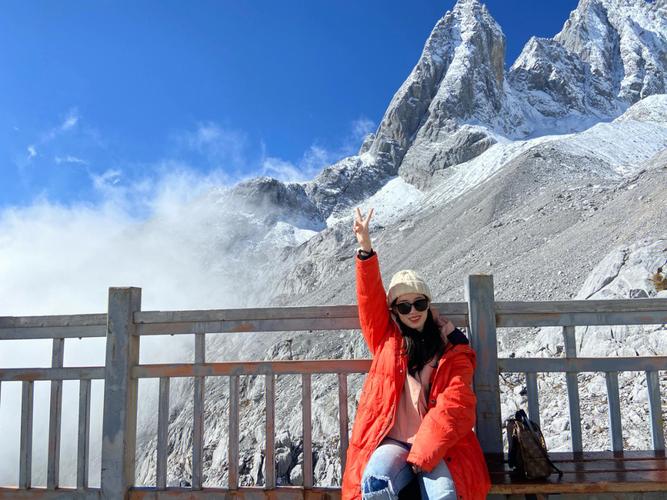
(183, 251)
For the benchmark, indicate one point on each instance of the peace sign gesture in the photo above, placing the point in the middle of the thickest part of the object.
(360, 228)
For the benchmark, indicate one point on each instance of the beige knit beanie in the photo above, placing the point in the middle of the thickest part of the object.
(406, 281)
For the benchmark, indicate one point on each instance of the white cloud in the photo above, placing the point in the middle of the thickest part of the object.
(61, 259)
(225, 148)
(71, 120)
(69, 159)
(361, 128)
(167, 232)
(283, 170)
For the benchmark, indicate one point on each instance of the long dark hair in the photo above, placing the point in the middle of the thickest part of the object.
(420, 347)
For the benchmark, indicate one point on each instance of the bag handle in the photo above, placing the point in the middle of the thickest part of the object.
(523, 418)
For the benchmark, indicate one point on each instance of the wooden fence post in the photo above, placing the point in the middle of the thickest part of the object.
(119, 426)
(482, 321)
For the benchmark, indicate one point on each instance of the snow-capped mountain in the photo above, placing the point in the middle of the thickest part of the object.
(459, 100)
(532, 174)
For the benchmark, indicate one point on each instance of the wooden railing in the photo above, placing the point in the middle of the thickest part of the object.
(125, 323)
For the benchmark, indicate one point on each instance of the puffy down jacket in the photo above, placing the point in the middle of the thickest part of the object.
(446, 431)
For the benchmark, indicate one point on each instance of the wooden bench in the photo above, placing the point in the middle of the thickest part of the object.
(617, 471)
(587, 472)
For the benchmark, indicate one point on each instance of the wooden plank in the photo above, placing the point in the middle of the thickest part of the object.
(254, 326)
(266, 313)
(53, 321)
(281, 367)
(25, 450)
(580, 319)
(581, 306)
(69, 373)
(198, 414)
(269, 460)
(119, 426)
(83, 445)
(609, 465)
(307, 430)
(249, 493)
(308, 318)
(479, 296)
(655, 410)
(592, 456)
(585, 482)
(533, 399)
(233, 458)
(574, 406)
(162, 434)
(55, 414)
(44, 494)
(66, 332)
(342, 418)
(635, 363)
(614, 412)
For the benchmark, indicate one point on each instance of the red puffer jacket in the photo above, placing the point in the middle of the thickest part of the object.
(446, 431)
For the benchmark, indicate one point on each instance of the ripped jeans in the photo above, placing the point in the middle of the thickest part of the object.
(387, 473)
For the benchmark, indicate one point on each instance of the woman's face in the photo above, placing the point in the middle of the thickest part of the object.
(414, 319)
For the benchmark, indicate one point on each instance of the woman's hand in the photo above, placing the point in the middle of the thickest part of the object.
(446, 326)
(360, 228)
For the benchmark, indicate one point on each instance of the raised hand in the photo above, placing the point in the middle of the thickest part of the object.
(360, 228)
(446, 327)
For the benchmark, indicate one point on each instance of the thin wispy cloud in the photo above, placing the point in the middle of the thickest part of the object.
(361, 128)
(317, 156)
(220, 146)
(69, 159)
(231, 150)
(68, 123)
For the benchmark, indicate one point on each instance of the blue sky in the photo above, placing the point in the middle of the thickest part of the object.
(105, 97)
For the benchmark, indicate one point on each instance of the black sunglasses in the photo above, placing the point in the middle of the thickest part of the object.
(405, 307)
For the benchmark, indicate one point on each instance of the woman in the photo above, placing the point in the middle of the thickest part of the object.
(417, 406)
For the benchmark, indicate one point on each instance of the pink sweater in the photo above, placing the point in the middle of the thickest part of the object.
(412, 405)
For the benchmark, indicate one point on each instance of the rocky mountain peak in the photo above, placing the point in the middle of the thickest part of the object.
(458, 79)
(623, 41)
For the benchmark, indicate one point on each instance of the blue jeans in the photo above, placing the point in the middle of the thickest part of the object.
(387, 473)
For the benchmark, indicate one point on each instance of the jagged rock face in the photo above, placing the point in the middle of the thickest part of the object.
(350, 180)
(423, 161)
(624, 42)
(277, 202)
(556, 83)
(459, 77)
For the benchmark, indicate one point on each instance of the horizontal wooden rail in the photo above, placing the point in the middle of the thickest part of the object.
(252, 368)
(508, 314)
(44, 494)
(279, 493)
(265, 319)
(48, 327)
(515, 365)
(68, 373)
